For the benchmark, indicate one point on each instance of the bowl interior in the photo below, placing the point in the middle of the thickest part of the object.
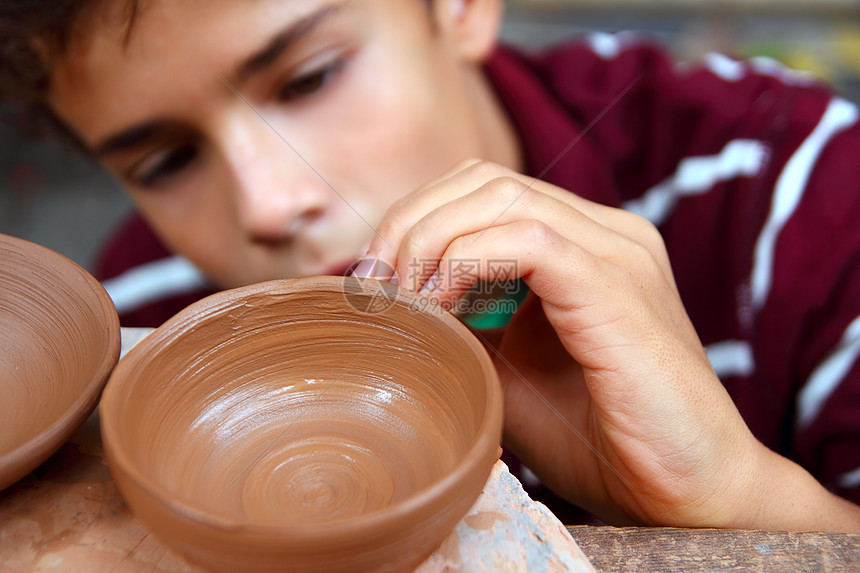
(59, 338)
(288, 403)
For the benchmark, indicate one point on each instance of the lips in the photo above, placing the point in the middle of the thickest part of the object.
(341, 270)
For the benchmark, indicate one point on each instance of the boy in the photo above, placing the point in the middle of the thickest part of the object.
(271, 139)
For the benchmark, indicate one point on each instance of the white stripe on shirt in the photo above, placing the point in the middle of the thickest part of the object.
(765, 66)
(610, 46)
(790, 186)
(850, 480)
(731, 358)
(698, 175)
(153, 281)
(825, 379)
(607, 46)
(725, 67)
(733, 71)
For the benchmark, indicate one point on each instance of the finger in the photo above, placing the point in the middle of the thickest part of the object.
(604, 313)
(461, 180)
(528, 249)
(493, 204)
(472, 175)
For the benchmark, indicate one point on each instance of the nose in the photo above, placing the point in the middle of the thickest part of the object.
(276, 194)
(273, 211)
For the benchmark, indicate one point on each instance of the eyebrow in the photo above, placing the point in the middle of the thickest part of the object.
(284, 40)
(261, 59)
(130, 138)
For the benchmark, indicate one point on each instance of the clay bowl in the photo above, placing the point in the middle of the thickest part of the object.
(59, 339)
(321, 424)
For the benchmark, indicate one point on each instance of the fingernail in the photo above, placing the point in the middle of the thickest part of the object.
(363, 252)
(351, 269)
(429, 286)
(365, 269)
(395, 280)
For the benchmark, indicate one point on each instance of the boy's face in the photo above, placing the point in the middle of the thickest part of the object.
(340, 107)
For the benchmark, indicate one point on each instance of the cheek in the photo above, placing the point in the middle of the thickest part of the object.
(391, 134)
(192, 221)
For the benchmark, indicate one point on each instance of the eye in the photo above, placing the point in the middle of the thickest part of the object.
(161, 165)
(309, 83)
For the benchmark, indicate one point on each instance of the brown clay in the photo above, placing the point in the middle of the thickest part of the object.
(281, 427)
(59, 339)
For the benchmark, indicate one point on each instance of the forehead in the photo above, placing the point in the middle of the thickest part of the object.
(176, 56)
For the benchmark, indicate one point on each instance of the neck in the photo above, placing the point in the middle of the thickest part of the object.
(501, 143)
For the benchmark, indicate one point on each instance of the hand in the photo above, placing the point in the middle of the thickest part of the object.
(609, 396)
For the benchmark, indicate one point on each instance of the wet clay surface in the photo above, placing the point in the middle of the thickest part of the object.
(284, 423)
(59, 338)
(66, 517)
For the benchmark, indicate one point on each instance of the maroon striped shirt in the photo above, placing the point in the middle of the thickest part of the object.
(750, 171)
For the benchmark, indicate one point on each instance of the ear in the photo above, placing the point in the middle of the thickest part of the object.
(472, 26)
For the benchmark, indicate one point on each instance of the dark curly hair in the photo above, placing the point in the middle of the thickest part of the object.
(33, 33)
(25, 68)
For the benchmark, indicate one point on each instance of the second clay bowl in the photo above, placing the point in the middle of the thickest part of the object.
(59, 340)
(307, 425)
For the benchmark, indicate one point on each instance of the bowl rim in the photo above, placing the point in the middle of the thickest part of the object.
(52, 438)
(486, 446)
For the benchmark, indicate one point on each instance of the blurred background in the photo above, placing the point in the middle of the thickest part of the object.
(51, 196)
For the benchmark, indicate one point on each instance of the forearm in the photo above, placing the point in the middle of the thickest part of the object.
(785, 497)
